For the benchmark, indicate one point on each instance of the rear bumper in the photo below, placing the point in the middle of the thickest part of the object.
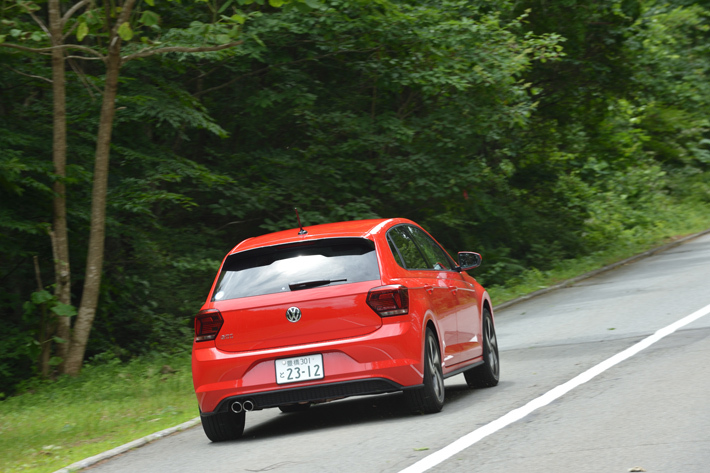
(318, 393)
(386, 360)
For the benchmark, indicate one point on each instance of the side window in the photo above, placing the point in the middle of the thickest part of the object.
(395, 252)
(437, 258)
(410, 254)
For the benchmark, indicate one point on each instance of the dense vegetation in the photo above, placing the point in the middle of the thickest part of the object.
(530, 131)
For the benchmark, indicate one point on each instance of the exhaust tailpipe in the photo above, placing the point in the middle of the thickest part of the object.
(248, 405)
(237, 407)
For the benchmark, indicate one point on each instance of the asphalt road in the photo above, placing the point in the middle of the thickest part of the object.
(651, 410)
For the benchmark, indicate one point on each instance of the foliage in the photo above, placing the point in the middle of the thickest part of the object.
(108, 405)
(673, 222)
(536, 133)
(112, 403)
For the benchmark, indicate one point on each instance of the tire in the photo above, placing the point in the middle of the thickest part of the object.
(429, 398)
(223, 425)
(487, 374)
(289, 408)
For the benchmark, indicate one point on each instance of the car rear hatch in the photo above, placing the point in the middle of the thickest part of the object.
(297, 294)
(326, 314)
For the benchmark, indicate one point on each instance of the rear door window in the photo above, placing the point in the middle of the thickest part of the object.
(301, 266)
(405, 250)
(435, 256)
(414, 249)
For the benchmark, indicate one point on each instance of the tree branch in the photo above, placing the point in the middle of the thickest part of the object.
(70, 31)
(49, 50)
(317, 58)
(125, 15)
(206, 74)
(40, 23)
(72, 10)
(29, 75)
(179, 49)
(84, 58)
(236, 79)
(82, 77)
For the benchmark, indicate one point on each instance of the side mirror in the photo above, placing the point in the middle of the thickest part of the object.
(469, 260)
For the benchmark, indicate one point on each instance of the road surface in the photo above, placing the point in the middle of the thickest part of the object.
(650, 411)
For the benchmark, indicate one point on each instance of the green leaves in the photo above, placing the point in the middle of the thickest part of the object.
(315, 4)
(39, 298)
(81, 31)
(125, 31)
(241, 19)
(64, 310)
(149, 18)
(220, 22)
(533, 130)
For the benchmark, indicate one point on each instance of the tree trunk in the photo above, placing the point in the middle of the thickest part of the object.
(95, 258)
(45, 327)
(74, 348)
(58, 235)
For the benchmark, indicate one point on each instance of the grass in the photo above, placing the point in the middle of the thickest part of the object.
(52, 425)
(683, 221)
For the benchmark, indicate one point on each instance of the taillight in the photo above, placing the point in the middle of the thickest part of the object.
(389, 300)
(207, 324)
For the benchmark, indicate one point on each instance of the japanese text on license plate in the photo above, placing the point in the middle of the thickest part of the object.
(302, 368)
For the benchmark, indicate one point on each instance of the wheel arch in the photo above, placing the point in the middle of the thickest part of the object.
(486, 304)
(431, 325)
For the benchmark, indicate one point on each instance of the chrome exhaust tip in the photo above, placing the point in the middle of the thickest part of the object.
(237, 407)
(248, 405)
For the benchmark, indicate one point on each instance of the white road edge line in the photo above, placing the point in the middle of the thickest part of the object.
(515, 415)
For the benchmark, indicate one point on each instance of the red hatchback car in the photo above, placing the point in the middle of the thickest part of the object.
(300, 317)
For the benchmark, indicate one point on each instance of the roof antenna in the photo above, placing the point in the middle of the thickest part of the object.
(301, 231)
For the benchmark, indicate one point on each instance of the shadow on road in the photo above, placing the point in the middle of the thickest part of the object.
(348, 412)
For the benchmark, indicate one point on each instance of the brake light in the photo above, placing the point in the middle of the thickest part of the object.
(389, 300)
(207, 324)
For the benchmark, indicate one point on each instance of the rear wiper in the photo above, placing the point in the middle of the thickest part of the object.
(295, 286)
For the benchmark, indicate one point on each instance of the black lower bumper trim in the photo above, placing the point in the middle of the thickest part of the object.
(319, 393)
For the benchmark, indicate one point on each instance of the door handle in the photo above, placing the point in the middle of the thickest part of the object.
(429, 289)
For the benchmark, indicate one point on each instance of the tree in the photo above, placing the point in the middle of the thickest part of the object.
(532, 136)
(376, 108)
(103, 31)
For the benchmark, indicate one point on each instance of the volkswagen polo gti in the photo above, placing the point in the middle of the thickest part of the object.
(305, 316)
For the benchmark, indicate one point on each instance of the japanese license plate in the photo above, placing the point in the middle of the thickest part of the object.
(302, 368)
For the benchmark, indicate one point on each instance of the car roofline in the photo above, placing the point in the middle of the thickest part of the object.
(348, 229)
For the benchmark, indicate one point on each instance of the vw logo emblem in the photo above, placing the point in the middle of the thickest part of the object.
(293, 314)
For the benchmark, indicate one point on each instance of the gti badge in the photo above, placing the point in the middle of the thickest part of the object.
(293, 314)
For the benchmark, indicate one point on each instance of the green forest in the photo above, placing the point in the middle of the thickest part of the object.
(140, 140)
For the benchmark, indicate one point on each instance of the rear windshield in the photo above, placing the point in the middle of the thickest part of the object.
(302, 266)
